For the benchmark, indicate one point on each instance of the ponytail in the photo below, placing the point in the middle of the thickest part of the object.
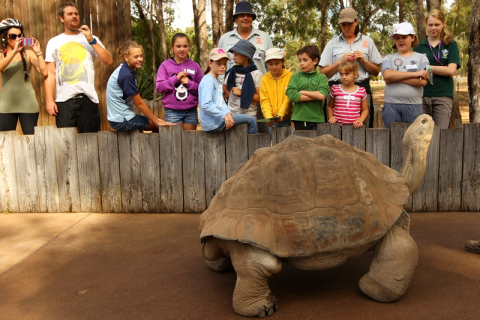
(125, 48)
(24, 61)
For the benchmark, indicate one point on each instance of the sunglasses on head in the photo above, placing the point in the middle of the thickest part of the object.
(13, 36)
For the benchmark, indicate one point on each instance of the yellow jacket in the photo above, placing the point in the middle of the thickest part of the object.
(272, 96)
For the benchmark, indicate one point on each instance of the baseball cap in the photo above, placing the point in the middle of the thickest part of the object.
(217, 54)
(273, 53)
(347, 15)
(403, 28)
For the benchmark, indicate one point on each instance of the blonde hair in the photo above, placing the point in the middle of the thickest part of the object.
(445, 36)
(349, 66)
(124, 50)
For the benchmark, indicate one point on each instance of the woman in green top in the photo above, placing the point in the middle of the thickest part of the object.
(17, 97)
(442, 53)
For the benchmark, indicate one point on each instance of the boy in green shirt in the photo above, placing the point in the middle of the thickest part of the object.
(307, 90)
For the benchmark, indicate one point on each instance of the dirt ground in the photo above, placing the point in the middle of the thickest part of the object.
(460, 88)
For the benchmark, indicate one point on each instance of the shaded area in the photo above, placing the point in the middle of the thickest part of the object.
(127, 266)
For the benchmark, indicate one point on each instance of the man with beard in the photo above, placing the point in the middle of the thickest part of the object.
(70, 57)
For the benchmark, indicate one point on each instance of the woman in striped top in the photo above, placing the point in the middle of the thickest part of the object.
(348, 102)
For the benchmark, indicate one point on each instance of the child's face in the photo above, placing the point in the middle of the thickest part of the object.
(306, 63)
(434, 27)
(347, 77)
(240, 59)
(275, 66)
(134, 59)
(180, 48)
(218, 67)
(404, 42)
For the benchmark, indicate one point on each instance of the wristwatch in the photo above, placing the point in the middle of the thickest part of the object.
(94, 41)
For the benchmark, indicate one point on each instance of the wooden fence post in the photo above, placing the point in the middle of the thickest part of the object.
(171, 169)
(130, 176)
(305, 133)
(27, 184)
(257, 141)
(237, 147)
(377, 142)
(280, 133)
(46, 169)
(110, 171)
(215, 163)
(354, 137)
(8, 173)
(471, 168)
(193, 145)
(89, 172)
(397, 131)
(333, 129)
(150, 172)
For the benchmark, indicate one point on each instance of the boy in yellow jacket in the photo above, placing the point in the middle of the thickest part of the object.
(274, 102)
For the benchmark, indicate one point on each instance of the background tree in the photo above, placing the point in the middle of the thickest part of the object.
(200, 18)
(473, 63)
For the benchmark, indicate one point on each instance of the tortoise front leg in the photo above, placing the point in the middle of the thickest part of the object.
(393, 264)
(254, 266)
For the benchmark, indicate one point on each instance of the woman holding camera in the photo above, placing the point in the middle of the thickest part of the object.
(17, 97)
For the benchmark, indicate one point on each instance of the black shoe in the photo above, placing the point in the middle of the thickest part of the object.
(473, 246)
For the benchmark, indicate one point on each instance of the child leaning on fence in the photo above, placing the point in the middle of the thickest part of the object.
(213, 111)
(405, 76)
(348, 102)
(177, 80)
(122, 94)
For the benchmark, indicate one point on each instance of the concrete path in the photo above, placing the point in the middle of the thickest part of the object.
(149, 266)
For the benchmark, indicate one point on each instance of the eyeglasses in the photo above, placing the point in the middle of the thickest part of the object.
(13, 36)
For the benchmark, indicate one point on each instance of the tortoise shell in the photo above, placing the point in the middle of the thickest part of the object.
(305, 197)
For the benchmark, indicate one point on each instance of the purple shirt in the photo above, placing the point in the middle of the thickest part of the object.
(176, 95)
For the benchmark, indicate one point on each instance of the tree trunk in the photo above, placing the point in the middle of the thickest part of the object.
(152, 39)
(202, 35)
(341, 4)
(473, 63)
(221, 16)
(195, 24)
(400, 11)
(323, 23)
(229, 4)
(421, 29)
(434, 4)
(140, 10)
(161, 26)
(214, 4)
(456, 19)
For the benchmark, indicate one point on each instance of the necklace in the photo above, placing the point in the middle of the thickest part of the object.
(439, 49)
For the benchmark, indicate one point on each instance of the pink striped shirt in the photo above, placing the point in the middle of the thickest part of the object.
(347, 106)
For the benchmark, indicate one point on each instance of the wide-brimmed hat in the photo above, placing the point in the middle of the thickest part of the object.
(347, 15)
(244, 47)
(244, 7)
(403, 28)
(217, 54)
(273, 53)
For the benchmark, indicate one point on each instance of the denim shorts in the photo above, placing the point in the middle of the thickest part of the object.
(137, 122)
(188, 116)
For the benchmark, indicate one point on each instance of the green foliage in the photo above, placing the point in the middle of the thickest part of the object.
(145, 84)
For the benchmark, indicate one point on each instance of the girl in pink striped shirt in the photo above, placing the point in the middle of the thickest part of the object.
(347, 103)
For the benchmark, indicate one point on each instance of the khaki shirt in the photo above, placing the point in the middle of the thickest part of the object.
(338, 46)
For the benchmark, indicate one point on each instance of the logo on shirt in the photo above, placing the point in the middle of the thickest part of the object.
(365, 44)
(70, 67)
(259, 40)
(444, 54)
(181, 91)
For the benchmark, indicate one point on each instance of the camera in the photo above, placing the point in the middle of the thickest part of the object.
(27, 41)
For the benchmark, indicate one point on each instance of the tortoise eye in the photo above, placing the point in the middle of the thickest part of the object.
(424, 121)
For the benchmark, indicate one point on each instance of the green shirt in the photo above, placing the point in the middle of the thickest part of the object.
(309, 111)
(442, 85)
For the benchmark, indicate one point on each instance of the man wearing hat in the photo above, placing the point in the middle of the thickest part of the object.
(244, 17)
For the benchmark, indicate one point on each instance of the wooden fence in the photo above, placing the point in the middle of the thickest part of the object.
(109, 20)
(58, 170)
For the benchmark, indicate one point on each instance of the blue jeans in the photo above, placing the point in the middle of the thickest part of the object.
(239, 119)
(284, 123)
(137, 122)
(188, 116)
(407, 113)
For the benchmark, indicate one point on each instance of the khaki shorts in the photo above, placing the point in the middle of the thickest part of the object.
(440, 108)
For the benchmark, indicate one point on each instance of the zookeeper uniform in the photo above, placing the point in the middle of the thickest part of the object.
(338, 46)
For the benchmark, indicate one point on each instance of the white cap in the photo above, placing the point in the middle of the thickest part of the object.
(403, 28)
(273, 53)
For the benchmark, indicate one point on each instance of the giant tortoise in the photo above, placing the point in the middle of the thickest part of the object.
(314, 203)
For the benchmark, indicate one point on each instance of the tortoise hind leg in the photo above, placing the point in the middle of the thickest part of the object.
(213, 251)
(393, 264)
(254, 266)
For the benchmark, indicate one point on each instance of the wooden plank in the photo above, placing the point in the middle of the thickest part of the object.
(109, 171)
(450, 170)
(26, 167)
(46, 169)
(130, 177)
(471, 168)
(89, 173)
(8, 173)
(171, 169)
(67, 169)
(377, 142)
(257, 141)
(193, 146)
(354, 137)
(150, 172)
(334, 129)
(236, 147)
(306, 133)
(10, 10)
(120, 33)
(215, 164)
(425, 198)
(3, 10)
(127, 14)
(397, 131)
(280, 133)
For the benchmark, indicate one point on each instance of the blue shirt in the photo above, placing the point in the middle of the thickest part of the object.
(121, 87)
(213, 108)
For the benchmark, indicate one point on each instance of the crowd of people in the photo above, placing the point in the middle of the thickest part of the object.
(246, 82)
